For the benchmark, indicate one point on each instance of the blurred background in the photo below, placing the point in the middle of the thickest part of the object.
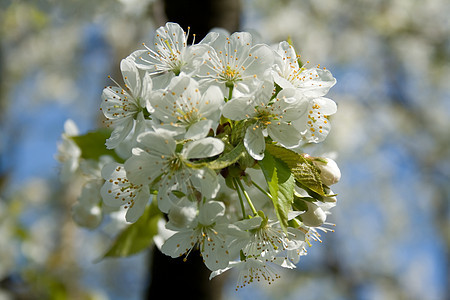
(391, 136)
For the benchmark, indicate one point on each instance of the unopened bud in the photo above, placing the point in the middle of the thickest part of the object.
(329, 171)
(314, 216)
(331, 198)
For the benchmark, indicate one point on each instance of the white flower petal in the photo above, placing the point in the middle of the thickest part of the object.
(211, 103)
(169, 183)
(143, 168)
(119, 134)
(239, 108)
(249, 224)
(178, 244)
(254, 142)
(171, 34)
(209, 211)
(285, 134)
(136, 56)
(315, 82)
(110, 190)
(209, 38)
(209, 183)
(199, 130)
(157, 143)
(326, 106)
(221, 271)
(281, 81)
(70, 128)
(147, 86)
(206, 181)
(137, 207)
(206, 147)
(131, 76)
(215, 253)
(261, 60)
(182, 215)
(314, 216)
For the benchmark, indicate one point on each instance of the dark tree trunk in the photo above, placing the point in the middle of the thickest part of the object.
(172, 278)
(203, 15)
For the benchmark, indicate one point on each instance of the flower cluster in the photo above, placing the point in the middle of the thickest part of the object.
(214, 133)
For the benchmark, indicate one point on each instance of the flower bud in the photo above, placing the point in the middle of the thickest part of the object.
(314, 216)
(329, 171)
(330, 199)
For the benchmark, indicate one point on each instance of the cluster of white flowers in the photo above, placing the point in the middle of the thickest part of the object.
(200, 127)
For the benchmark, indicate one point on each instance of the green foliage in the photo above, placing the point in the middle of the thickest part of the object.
(307, 177)
(306, 174)
(92, 144)
(289, 157)
(281, 186)
(138, 236)
(300, 204)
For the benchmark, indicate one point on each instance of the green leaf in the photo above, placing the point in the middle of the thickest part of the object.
(289, 157)
(137, 236)
(300, 204)
(92, 144)
(306, 174)
(281, 186)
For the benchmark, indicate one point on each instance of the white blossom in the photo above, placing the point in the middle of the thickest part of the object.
(329, 170)
(287, 73)
(169, 52)
(252, 270)
(193, 120)
(205, 232)
(118, 191)
(315, 125)
(183, 106)
(268, 116)
(123, 107)
(233, 61)
(155, 159)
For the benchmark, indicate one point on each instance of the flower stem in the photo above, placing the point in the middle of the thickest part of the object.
(262, 190)
(230, 93)
(246, 196)
(240, 197)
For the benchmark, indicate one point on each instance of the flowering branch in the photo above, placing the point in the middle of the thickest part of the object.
(178, 140)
